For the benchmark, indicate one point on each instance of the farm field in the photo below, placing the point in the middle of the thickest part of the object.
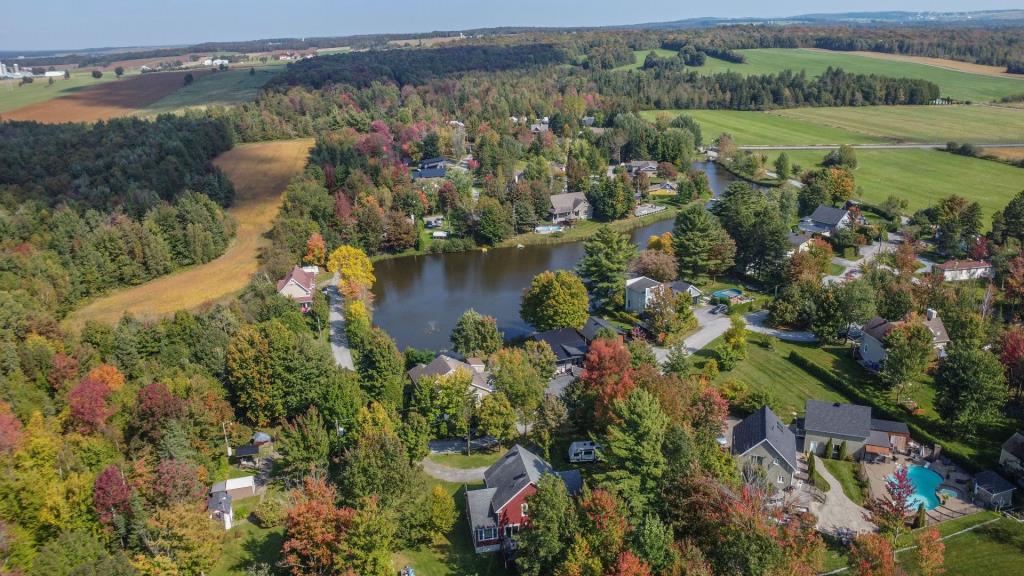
(14, 96)
(751, 128)
(925, 176)
(220, 88)
(260, 173)
(952, 83)
(104, 101)
(931, 124)
(969, 67)
(1006, 153)
(638, 58)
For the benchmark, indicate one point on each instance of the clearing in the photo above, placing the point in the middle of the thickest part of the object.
(952, 83)
(14, 95)
(104, 101)
(924, 176)
(969, 67)
(221, 88)
(640, 55)
(860, 125)
(260, 173)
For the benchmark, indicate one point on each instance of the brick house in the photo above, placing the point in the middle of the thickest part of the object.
(498, 511)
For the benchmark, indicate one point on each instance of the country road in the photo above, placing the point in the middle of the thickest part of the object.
(911, 146)
(339, 341)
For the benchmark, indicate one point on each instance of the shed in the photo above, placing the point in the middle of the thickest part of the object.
(993, 490)
(237, 488)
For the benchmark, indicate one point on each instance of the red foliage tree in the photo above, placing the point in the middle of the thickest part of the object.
(1011, 354)
(629, 565)
(707, 416)
(871, 555)
(930, 554)
(315, 529)
(88, 405)
(606, 527)
(111, 495)
(890, 514)
(64, 369)
(109, 375)
(608, 374)
(342, 207)
(979, 249)
(155, 406)
(176, 482)
(316, 250)
(10, 429)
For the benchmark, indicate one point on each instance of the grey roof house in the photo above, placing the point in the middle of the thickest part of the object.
(569, 206)
(872, 343)
(445, 364)
(568, 344)
(763, 440)
(499, 511)
(825, 220)
(852, 424)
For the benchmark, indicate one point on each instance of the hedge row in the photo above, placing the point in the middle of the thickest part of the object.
(917, 432)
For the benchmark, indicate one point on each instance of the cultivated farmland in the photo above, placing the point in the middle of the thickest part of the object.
(925, 176)
(953, 83)
(222, 88)
(14, 95)
(260, 173)
(108, 100)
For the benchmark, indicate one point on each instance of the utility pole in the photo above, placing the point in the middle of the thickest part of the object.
(224, 428)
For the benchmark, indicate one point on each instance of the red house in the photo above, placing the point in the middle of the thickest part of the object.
(498, 511)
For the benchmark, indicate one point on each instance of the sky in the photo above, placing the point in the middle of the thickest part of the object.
(66, 24)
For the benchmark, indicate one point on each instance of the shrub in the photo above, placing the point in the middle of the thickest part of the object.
(269, 512)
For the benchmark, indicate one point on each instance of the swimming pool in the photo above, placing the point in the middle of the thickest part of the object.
(548, 229)
(727, 293)
(926, 483)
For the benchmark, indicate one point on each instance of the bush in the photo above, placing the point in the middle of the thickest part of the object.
(452, 245)
(849, 252)
(269, 512)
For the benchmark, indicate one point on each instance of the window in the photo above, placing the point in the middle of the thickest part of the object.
(489, 533)
(511, 529)
(782, 479)
(524, 508)
(775, 461)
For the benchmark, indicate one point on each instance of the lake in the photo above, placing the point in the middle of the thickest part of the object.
(418, 299)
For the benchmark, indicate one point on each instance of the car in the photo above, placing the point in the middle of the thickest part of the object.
(719, 309)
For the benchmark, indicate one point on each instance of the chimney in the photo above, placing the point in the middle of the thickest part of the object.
(931, 313)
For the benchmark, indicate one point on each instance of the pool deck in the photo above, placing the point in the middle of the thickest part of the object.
(954, 479)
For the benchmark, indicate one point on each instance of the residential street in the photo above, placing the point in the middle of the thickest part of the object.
(339, 342)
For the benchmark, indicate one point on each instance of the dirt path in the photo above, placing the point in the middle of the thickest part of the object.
(449, 474)
(260, 173)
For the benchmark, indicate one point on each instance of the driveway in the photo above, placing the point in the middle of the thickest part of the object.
(838, 512)
(339, 341)
(449, 474)
(756, 323)
(711, 326)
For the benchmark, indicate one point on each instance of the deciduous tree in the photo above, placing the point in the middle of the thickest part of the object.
(352, 265)
(476, 335)
(608, 374)
(908, 350)
(555, 300)
(970, 389)
(497, 418)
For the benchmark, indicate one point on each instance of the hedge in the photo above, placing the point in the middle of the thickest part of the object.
(917, 431)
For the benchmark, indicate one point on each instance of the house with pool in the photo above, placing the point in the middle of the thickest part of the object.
(833, 423)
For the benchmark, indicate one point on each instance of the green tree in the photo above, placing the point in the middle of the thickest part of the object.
(514, 375)
(495, 222)
(611, 198)
(497, 418)
(370, 540)
(476, 334)
(382, 369)
(908, 350)
(554, 524)
(415, 434)
(79, 553)
(632, 447)
(445, 401)
(828, 319)
(304, 446)
(551, 415)
(669, 315)
(542, 358)
(734, 345)
(970, 389)
(441, 512)
(754, 221)
(694, 236)
(782, 166)
(958, 221)
(606, 257)
(678, 361)
(555, 300)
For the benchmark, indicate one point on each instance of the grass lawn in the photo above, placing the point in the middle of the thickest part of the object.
(762, 128)
(586, 228)
(14, 96)
(475, 460)
(952, 83)
(997, 548)
(454, 554)
(222, 88)
(846, 474)
(246, 545)
(924, 176)
(770, 370)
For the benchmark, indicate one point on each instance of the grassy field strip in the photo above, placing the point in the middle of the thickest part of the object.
(928, 124)
(752, 128)
(260, 173)
(925, 176)
(640, 55)
(968, 67)
(14, 96)
(222, 88)
(952, 83)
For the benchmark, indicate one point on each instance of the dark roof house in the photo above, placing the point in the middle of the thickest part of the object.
(825, 220)
(835, 419)
(761, 427)
(594, 326)
(567, 344)
(445, 364)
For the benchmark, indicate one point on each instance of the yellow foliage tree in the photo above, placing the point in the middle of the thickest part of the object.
(352, 265)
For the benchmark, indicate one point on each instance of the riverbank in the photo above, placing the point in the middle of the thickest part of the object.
(585, 229)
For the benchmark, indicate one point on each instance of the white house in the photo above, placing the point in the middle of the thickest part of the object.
(959, 270)
(826, 220)
(872, 344)
(299, 285)
(639, 292)
(569, 206)
(223, 494)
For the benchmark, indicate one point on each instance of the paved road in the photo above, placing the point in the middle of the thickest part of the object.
(838, 511)
(339, 341)
(871, 146)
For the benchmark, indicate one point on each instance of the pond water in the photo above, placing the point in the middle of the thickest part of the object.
(418, 299)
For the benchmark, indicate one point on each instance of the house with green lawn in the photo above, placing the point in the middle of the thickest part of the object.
(831, 424)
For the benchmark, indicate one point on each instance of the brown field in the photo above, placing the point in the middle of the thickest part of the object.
(1005, 153)
(968, 67)
(260, 173)
(104, 101)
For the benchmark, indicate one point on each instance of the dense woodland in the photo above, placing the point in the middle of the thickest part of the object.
(84, 209)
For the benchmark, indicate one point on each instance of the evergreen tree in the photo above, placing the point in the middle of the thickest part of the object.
(603, 268)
